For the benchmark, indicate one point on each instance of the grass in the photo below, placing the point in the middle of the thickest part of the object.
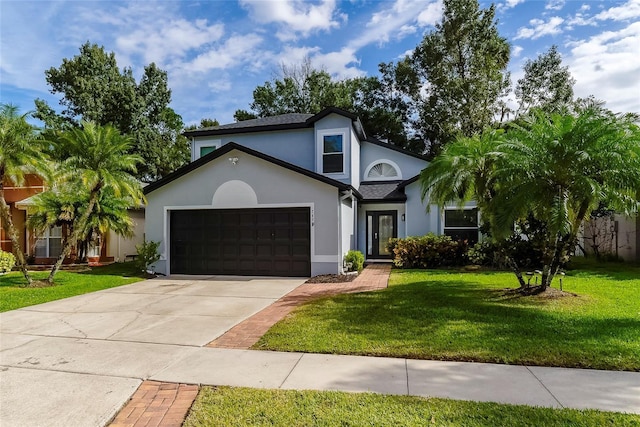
(68, 283)
(225, 406)
(464, 316)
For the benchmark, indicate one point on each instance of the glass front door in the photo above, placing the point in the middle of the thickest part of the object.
(381, 226)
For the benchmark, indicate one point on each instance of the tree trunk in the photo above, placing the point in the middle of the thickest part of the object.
(516, 270)
(73, 236)
(66, 250)
(10, 229)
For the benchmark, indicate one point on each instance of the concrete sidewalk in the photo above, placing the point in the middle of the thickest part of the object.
(535, 386)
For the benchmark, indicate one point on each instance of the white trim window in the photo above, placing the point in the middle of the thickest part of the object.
(462, 224)
(204, 147)
(333, 152)
(382, 170)
(50, 244)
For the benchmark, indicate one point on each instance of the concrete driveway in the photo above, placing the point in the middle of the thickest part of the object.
(77, 361)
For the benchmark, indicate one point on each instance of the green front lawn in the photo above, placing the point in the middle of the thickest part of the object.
(68, 284)
(463, 316)
(226, 406)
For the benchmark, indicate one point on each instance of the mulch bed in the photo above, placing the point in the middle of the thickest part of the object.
(537, 292)
(332, 278)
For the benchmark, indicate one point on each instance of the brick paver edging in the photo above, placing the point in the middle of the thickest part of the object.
(157, 404)
(245, 334)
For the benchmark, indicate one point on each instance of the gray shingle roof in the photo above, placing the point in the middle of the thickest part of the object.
(282, 119)
(384, 191)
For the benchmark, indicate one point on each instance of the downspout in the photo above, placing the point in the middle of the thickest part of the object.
(340, 263)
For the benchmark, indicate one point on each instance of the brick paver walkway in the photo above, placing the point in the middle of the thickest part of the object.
(157, 404)
(248, 332)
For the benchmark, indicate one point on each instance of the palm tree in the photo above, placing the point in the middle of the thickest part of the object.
(550, 169)
(19, 155)
(465, 171)
(559, 168)
(53, 208)
(98, 162)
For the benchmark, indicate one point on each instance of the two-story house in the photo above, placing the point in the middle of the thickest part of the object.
(289, 195)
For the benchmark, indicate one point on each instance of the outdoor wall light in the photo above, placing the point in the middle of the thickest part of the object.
(233, 160)
(402, 217)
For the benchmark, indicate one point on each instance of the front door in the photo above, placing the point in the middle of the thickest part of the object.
(381, 226)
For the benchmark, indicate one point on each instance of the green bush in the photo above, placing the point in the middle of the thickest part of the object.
(7, 261)
(354, 260)
(428, 251)
(147, 254)
(489, 253)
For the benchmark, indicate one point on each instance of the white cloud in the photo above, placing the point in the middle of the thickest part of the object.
(235, 50)
(554, 5)
(516, 51)
(403, 18)
(512, 3)
(607, 67)
(170, 39)
(338, 63)
(294, 55)
(296, 17)
(629, 10)
(540, 28)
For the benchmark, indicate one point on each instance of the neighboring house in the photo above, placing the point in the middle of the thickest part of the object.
(289, 195)
(45, 248)
(14, 194)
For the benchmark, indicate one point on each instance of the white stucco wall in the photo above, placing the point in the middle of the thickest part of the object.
(418, 221)
(119, 247)
(369, 153)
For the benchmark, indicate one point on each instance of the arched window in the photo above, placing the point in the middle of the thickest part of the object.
(382, 170)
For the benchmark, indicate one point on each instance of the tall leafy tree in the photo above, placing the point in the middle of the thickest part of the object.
(546, 84)
(94, 88)
(97, 163)
(19, 155)
(459, 72)
(303, 89)
(204, 123)
(551, 170)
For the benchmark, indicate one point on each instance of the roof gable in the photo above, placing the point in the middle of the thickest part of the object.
(225, 149)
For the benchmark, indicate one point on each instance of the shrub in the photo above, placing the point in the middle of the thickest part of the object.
(525, 252)
(147, 254)
(428, 251)
(354, 261)
(7, 261)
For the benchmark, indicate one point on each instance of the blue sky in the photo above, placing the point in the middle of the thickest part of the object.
(217, 52)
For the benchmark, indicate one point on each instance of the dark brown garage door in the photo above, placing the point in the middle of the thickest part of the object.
(247, 242)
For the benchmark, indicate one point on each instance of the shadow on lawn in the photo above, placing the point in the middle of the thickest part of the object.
(442, 320)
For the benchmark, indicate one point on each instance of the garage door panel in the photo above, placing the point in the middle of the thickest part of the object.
(269, 241)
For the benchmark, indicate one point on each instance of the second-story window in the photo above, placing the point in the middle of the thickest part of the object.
(332, 154)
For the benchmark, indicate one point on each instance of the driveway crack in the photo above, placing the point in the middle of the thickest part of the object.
(84, 334)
